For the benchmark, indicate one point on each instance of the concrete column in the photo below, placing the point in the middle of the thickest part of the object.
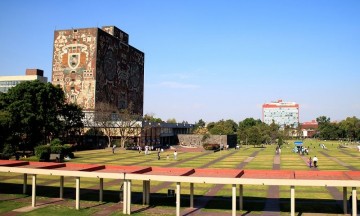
(25, 183)
(191, 195)
(241, 199)
(292, 200)
(33, 193)
(234, 200)
(101, 190)
(128, 197)
(345, 200)
(61, 187)
(144, 192)
(77, 193)
(354, 201)
(148, 193)
(178, 191)
(125, 197)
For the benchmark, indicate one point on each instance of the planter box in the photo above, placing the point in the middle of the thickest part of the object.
(57, 157)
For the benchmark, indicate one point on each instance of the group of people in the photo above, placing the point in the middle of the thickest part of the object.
(302, 150)
(313, 160)
(167, 156)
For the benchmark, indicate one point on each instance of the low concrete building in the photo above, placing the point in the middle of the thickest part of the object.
(7, 82)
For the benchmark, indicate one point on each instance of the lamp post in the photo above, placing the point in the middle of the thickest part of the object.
(221, 146)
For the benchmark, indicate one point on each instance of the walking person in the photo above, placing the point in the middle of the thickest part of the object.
(310, 162)
(158, 154)
(175, 154)
(113, 149)
(315, 160)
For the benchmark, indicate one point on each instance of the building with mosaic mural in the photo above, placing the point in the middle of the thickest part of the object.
(94, 66)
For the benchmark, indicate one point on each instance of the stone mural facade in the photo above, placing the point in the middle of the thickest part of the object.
(196, 140)
(95, 65)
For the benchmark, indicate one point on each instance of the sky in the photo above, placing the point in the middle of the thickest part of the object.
(212, 59)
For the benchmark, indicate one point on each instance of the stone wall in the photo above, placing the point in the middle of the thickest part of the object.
(195, 140)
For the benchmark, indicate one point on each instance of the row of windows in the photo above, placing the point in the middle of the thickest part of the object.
(10, 83)
(4, 89)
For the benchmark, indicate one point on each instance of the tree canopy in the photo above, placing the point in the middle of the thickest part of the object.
(32, 113)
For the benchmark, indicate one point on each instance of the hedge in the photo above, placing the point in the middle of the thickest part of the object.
(208, 146)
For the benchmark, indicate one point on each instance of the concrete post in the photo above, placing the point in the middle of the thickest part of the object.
(25, 183)
(178, 191)
(144, 192)
(191, 195)
(241, 199)
(234, 200)
(148, 193)
(292, 200)
(128, 197)
(33, 193)
(345, 200)
(125, 197)
(354, 201)
(61, 187)
(77, 193)
(101, 191)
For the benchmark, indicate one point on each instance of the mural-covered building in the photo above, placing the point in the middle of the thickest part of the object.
(95, 65)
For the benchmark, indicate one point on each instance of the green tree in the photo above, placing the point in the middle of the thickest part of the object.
(71, 123)
(321, 120)
(351, 128)
(245, 130)
(274, 131)
(36, 112)
(171, 120)
(255, 137)
(330, 131)
(150, 117)
(199, 124)
(227, 127)
(249, 122)
(5, 134)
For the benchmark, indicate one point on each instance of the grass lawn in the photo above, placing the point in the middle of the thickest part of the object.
(255, 196)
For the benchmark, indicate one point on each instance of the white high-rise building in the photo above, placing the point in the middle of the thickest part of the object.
(283, 113)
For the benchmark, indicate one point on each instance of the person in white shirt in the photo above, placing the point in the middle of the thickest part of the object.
(315, 160)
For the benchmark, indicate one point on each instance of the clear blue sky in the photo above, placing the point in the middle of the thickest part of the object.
(210, 59)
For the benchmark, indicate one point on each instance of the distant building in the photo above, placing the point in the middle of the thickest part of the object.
(282, 113)
(309, 129)
(146, 133)
(95, 66)
(7, 82)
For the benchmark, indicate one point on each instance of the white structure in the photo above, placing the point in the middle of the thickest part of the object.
(7, 82)
(234, 177)
(283, 113)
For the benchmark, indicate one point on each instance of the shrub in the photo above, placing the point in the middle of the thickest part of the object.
(56, 149)
(67, 150)
(42, 152)
(8, 151)
(56, 142)
(208, 146)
